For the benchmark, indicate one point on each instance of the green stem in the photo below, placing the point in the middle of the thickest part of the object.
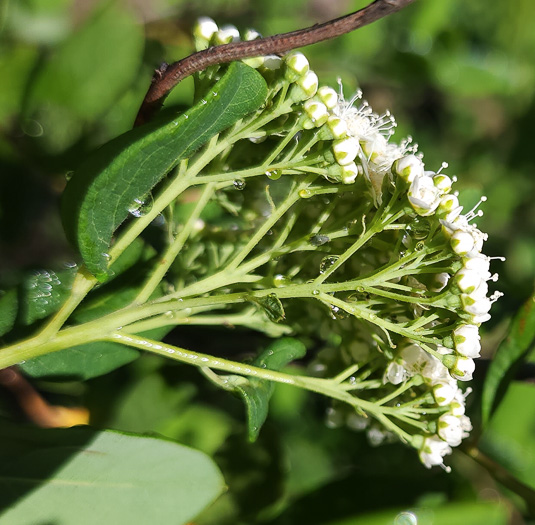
(169, 256)
(82, 285)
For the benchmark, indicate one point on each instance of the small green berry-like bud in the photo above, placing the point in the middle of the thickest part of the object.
(328, 96)
(345, 150)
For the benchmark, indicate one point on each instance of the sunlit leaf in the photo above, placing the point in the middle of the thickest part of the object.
(98, 198)
(85, 477)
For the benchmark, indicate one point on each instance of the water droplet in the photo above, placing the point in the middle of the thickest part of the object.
(319, 240)
(360, 289)
(280, 280)
(338, 313)
(169, 314)
(141, 206)
(373, 317)
(419, 246)
(315, 292)
(327, 262)
(106, 256)
(305, 194)
(239, 184)
(68, 175)
(203, 101)
(419, 228)
(215, 93)
(186, 117)
(274, 174)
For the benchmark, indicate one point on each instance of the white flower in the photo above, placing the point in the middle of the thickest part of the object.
(461, 225)
(297, 66)
(226, 34)
(272, 62)
(442, 182)
(205, 29)
(450, 430)
(328, 96)
(462, 242)
(440, 281)
(449, 208)
(337, 126)
(468, 281)
(444, 392)
(408, 168)
(433, 451)
(308, 82)
(350, 173)
(478, 263)
(251, 34)
(476, 304)
(466, 425)
(423, 195)
(418, 361)
(463, 368)
(466, 339)
(345, 150)
(395, 373)
(317, 113)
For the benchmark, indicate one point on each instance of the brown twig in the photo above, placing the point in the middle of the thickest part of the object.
(36, 408)
(165, 79)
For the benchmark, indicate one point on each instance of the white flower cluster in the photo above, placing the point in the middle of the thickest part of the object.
(357, 142)
(452, 425)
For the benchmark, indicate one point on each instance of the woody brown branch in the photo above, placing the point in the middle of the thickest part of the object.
(165, 79)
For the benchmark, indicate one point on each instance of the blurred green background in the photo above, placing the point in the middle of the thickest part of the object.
(459, 77)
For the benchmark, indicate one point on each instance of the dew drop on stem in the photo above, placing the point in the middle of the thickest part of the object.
(274, 174)
(141, 205)
(239, 184)
(327, 262)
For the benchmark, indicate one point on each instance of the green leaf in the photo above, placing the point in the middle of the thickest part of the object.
(256, 393)
(81, 362)
(515, 346)
(89, 70)
(97, 199)
(43, 293)
(85, 477)
(8, 310)
(94, 359)
(272, 306)
(509, 438)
